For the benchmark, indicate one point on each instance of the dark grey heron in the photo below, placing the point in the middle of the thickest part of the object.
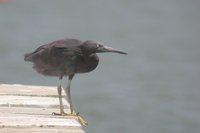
(67, 57)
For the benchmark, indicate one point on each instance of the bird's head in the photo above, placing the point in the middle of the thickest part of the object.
(90, 47)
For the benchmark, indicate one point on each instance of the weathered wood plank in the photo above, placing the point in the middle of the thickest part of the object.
(30, 101)
(36, 120)
(29, 109)
(17, 89)
(40, 130)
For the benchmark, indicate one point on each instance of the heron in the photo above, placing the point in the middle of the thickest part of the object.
(67, 57)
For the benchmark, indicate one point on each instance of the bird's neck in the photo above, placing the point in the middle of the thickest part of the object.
(90, 62)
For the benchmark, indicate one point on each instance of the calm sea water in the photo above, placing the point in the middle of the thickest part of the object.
(154, 89)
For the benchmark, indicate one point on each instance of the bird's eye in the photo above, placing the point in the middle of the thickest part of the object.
(99, 45)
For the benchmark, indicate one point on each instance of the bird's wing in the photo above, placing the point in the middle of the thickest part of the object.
(66, 50)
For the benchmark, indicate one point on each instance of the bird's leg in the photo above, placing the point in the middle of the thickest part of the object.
(59, 89)
(68, 94)
(68, 97)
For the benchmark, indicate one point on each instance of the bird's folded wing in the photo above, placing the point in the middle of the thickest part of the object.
(64, 51)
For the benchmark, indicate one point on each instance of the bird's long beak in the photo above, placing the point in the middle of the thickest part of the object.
(109, 49)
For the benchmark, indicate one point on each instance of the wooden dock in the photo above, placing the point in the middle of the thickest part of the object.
(29, 109)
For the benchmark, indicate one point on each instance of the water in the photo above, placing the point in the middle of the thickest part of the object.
(154, 89)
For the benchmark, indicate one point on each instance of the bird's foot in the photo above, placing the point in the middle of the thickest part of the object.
(60, 114)
(80, 119)
(75, 114)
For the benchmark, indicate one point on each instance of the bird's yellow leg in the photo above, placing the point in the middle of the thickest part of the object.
(59, 89)
(68, 97)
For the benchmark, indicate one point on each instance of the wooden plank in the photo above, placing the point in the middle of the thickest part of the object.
(40, 130)
(29, 109)
(17, 89)
(30, 101)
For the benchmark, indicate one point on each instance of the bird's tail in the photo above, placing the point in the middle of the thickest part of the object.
(28, 57)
